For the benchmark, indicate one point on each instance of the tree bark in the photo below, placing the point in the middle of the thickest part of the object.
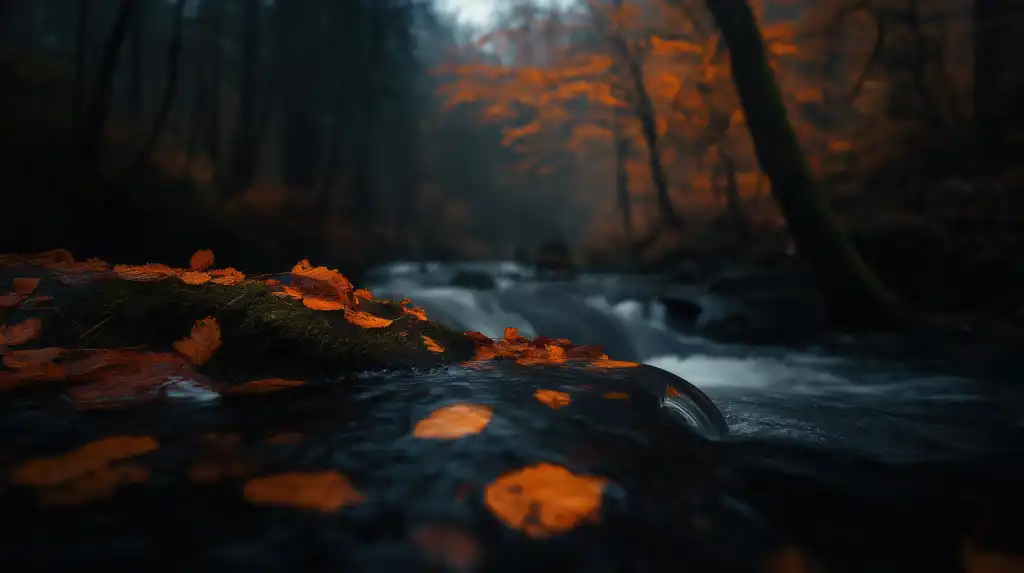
(855, 295)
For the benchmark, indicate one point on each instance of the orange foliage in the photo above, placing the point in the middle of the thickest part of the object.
(447, 546)
(201, 260)
(200, 345)
(366, 320)
(325, 491)
(455, 421)
(264, 386)
(545, 499)
(20, 333)
(431, 344)
(552, 398)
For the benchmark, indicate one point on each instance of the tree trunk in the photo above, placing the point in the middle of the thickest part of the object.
(99, 107)
(648, 123)
(81, 59)
(243, 152)
(170, 88)
(855, 295)
(733, 202)
(135, 79)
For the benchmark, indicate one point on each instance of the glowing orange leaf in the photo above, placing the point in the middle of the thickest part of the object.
(415, 312)
(290, 292)
(672, 392)
(24, 286)
(264, 386)
(615, 396)
(447, 547)
(40, 372)
(552, 398)
(511, 334)
(545, 499)
(227, 277)
(317, 302)
(325, 491)
(363, 293)
(24, 358)
(202, 342)
(365, 319)
(21, 332)
(88, 458)
(614, 364)
(455, 421)
(431, 344)
(322, 281)
(195, 277)
(149, 272)
(201, 260)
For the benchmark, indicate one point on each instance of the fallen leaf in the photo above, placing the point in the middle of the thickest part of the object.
(139, 384)
(615, 396)
(149, 272)
(23, 358)
(202, 342)
(325, 491)
(552, 398)
(545, 499)
(195, 277)
(290, 292)
(21, 332)
(365, 319)
(672, 392)
(55, 256)
(264, 386)
(24, 285)
(431, 344)
(447, 546)
(454, 421)
(322, 281)
(609, 364)
(317, 302)
(58, 469)
(363, 294)
(202, 259)
(227, 277)
(10, 300)
(415, 312)
(511, 334)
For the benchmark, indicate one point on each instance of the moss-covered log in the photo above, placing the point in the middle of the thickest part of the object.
(856, 296)
(263, 334)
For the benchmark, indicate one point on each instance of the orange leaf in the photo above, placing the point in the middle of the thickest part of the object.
(511, 334)
(25, 285)
(317, 302)
(322, 281)
(614, 364)
(20, 333)
(23, 358)
(431, 344)
(290, 292)
(56, 256)
(616, 396)
(365, 319)
(363, 293)
(545, 499)
(454, 421)
(195, 277)
(200, 260)
(325, 491)
(227, 277)
(86, 459)
(415, 312)
(10, 300)
(447, 547)
(552, 398)
(202, 342)
(264, 386)
(150, 272)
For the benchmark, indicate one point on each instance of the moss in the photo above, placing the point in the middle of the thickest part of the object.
(262, 334)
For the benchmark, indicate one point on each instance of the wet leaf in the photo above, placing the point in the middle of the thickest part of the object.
(511, 334)
(447, 546)
(150, 272)
(227, 277)
(552, 398)
(454, 421)
(51, 471)
(365, 319)
(326, 491)
(195, 277)
(201, 260)
(545, 499)
(21, 332)
(322, 281)
(24, 358)
(363, 294)
(24, 285)
(139, 384)
(611, 364)
(264, 386)
(200, 345)
(615, 396)
(10, 300)
(431, 345)
(317, 302)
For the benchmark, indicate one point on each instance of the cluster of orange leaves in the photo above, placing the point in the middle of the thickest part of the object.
(540, 350)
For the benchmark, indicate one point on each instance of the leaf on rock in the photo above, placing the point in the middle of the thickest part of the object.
(202, 342)
(201, 260)
(326, 491)
(615, 396)
(21, 332)
(24, 285)
(552, 398)
(511, 334)
(25, 358)
(322, 281)
(365, 319)
(431, 344)
(454, 421)
(363, 294)
(545, 499)
(317, 302)
(227, 277)
(610, 364)
(10, 300)
(51, 471)
(290, 292)
(264, 386)
(415, 312)
(195, 277)
(447, 547)
(149, 272)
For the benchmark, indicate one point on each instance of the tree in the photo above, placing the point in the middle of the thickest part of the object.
(855, 294)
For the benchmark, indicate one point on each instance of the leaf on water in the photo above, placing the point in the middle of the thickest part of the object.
(545, 499)
(135, 384)
(227, 277)
(611, 364)
(365, 319)
(202, 342)
(201, 260)
(317, 302)
(55, 470)
(264, 386)
(447, 546)
(454, 421)
(552, 398)
(326, 491)
(615, 396)
(25, 358)
(21, 332)
(431, 345)
(195, 277)
(149, 272)
(24, 285)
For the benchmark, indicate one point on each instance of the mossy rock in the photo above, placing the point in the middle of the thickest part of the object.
(262, 334)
